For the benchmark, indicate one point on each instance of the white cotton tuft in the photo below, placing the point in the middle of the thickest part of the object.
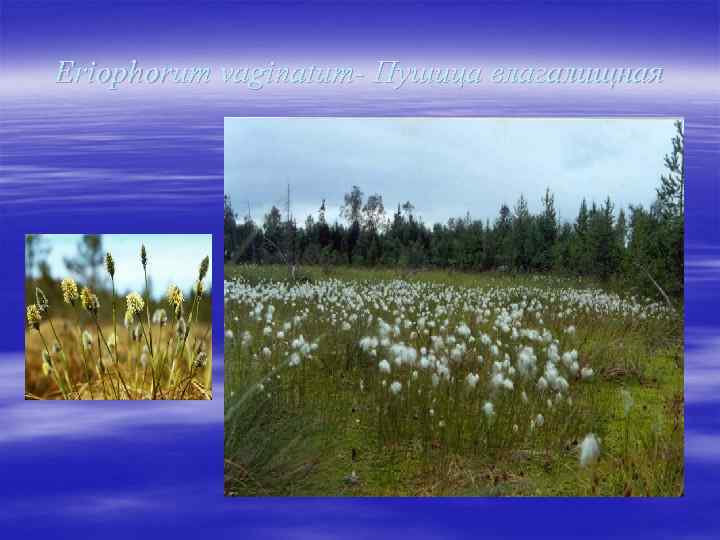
(463, 330)
(586, 373)
(553, 354)
(526, 361)
(574, 368)
(589, 450)
(395, 387)
(443, 371)
(300, 344)
(628, 401)
(457, 352)
(384, 366)
(497, 380)
(488, 409)
(402, 354)
(366, 344)
(294, 360)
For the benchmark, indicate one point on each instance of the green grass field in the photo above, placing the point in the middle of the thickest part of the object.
(380, 382)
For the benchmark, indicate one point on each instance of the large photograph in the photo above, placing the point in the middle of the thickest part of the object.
(454, 307)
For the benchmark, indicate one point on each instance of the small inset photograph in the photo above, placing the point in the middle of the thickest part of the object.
(118, 316)
(454, 307)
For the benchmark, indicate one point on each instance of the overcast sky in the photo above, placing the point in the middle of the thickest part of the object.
(445, 167)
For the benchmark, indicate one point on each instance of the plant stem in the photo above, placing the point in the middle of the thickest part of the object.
(117, 365)
(66, 366)
(190, 378)
(101, 370)
(112, 279)
(152, 359)
(189, 327)
(53, 367)
(82, 353)
(147, 309)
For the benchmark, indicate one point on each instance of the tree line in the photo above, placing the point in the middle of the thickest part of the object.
(643, 246)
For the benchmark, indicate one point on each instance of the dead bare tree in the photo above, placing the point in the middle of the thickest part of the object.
(657, 286)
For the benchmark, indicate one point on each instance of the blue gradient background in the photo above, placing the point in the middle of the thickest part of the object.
(77, 159)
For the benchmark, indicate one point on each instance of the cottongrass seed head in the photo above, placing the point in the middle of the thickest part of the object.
(69, 290)
(589, 450)
(89, 301)
(627, 400)
(34, 316)
(87, 340)
(175, 299)
(204, 265)
(47, 366)
(488, 409)
(160, 317)
(180, 328)
(41, 299)
(199, 288)
(110, 265)
(135, 303)
(200, 360)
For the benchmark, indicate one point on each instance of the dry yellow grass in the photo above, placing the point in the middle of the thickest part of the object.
(126, 379)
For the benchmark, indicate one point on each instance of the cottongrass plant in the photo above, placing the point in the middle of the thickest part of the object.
(151, 361)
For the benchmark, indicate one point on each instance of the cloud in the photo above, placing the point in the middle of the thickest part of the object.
(445, 166)
(701, 269)
(702, 369)
(101, 505)
(702, 447)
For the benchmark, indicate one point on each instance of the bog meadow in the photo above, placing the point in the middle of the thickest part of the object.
(524, 354)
